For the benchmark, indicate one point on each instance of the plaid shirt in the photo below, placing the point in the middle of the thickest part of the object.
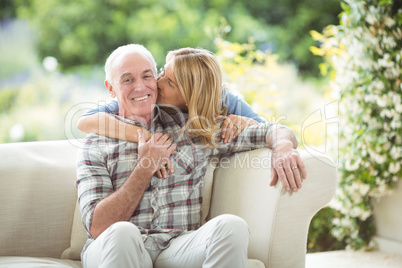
(169, 206)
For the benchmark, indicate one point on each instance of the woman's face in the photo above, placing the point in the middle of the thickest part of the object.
(168, 91)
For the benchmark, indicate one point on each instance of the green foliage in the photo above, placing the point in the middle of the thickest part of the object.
(18, 56)
(290, 22)
(7, 99)
(34, 103)
(7, 10)
(321, 225)
(79, 32)
(274, 90)
(364, 61)
(84, 32)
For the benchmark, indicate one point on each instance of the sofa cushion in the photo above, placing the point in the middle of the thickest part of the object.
(29, 262)
(78, 238)
(253, 263)
(37, 198)
(207, 192)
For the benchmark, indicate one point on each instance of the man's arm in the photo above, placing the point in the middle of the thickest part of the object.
(99, 212)
(121, 204)
(286, 163)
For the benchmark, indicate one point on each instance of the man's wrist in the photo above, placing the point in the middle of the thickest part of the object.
(145, 167)
(282, 144)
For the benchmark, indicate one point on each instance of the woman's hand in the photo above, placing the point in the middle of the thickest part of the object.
(162, 173)
(233, 125)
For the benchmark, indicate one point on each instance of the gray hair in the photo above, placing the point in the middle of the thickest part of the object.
(122, 51)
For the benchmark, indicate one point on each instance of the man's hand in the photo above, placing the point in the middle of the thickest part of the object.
(154, 153)
(287, 165)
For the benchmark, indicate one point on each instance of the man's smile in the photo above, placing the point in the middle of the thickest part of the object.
(141, 98)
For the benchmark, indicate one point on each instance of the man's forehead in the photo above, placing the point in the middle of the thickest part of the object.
(130, 63)
(126, 74)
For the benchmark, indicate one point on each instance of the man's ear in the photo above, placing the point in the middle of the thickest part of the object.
(110, 88)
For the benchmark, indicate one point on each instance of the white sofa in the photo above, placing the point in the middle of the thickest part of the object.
(40, 225)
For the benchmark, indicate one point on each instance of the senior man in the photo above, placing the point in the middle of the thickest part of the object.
(134, 219)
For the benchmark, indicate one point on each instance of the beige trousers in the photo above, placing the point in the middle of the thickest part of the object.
(221, 242)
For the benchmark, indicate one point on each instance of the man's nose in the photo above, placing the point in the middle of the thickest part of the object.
(139, 84)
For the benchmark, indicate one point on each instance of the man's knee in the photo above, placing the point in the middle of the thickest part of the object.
(233, 227)
(123, 233)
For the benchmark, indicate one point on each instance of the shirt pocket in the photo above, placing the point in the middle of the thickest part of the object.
(187, 159)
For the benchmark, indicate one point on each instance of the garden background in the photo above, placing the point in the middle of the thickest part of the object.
(283, 57)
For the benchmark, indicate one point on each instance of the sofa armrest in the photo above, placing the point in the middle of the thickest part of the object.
(278, 220)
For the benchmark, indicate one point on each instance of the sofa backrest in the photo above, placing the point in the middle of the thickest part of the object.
(37, 198)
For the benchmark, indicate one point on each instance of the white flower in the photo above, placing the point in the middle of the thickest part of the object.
(364, 189)
(389, 42)
(389, 22)
(378, 158)
(385, 113)
(356, 212)
(336, 233)
(396, 124)
(351, 167)
(395, 152)
(394, 167)
(385, 62)
(397, 103)
(365, 215)
(371, 19)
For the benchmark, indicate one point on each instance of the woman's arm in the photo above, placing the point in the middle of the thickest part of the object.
(237, 106)
(240, 115)
(107, 125)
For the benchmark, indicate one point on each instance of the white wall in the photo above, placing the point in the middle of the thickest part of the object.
(388, 218)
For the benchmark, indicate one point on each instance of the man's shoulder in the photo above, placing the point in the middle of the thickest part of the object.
(94, 141)
(95, 138)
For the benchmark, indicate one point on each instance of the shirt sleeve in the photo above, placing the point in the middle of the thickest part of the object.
(252, 137)
(237, 106)
(112, 107)
(93, 182)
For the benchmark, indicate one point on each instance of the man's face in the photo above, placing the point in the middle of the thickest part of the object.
(134, 85)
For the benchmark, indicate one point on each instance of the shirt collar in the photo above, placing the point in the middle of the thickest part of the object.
(128, 121)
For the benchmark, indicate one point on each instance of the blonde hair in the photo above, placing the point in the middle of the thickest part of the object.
(199, 78)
